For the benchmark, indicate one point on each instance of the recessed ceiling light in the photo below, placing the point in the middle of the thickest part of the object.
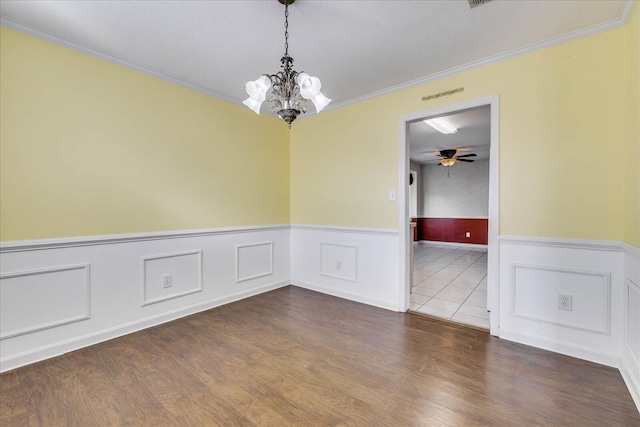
(442, 125)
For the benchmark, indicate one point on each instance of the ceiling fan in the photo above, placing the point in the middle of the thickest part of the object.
(449, 157)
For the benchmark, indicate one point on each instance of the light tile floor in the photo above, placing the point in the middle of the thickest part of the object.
(450, 282)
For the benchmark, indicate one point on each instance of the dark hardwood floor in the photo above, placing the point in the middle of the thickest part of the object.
(296, 357)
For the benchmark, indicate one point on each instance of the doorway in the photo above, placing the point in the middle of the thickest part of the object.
(448, 254)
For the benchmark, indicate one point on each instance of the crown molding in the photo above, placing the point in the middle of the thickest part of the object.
(612, 24)
(35, 32)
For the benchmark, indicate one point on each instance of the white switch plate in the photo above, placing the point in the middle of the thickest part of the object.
(468, 234)
(392, 194)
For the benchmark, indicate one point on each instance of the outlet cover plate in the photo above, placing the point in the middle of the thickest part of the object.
(565, 302)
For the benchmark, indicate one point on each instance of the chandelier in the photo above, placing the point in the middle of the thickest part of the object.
(289, 89)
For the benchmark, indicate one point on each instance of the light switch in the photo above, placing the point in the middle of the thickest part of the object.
(392, 194)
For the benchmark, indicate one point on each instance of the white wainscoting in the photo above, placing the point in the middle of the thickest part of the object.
(630, 368)
(61, 295)
(253, 261)
(534, 272)
(183, 271)
(353, 263)
(34, 300)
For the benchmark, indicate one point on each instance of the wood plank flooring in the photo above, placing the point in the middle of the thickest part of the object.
(296, 357)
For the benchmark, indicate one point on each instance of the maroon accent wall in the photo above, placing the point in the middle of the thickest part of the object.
(453, 230)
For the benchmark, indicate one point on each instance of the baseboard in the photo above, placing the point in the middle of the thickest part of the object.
(608, 359)
(388, 305)
(61, 348)
(454, 244)
(631, 382)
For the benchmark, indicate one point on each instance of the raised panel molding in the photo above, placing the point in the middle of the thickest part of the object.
(185, 269)
(339, 261)
(253, 261)
(35, 300)
(535, 291)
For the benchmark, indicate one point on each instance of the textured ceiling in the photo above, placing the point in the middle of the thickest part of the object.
(357, 48)
(473, 136)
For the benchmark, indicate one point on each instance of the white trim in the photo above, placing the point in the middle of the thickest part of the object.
(255, 276)
(389, 305)
(335, 276)
(627, 11)
(554, 41)
(144, 260)
(493, 265)
(607, 276)
(628, 247)
(49, 325)
(34, 245)
(621, 21)
(462, 245)
(28, 29)
(58, 349)
(608, 359)
(559, 242)
(630, 381)
(335, 228)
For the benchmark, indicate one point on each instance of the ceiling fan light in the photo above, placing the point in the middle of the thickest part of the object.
(442, 125)
(253, 104)
(448, 162)
(320, 101)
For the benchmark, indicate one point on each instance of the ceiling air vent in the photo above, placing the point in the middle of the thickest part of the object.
(476, 3)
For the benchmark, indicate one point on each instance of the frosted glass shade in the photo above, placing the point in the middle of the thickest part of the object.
(448, 162)
(253, 104)
(320, 101)
(309, 86)
(257, 89)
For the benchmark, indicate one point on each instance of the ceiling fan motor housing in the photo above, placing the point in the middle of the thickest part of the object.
(448, 153)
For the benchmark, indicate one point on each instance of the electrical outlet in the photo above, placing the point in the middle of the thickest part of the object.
(565, 302)
(338, 265)
(167, 280)
(468, 234)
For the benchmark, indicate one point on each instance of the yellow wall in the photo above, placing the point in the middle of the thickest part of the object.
(89, 147)
(562, 130)
(632, 153)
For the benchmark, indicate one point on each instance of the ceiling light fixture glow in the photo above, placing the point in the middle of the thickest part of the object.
(448, 162)
(442, 125)
(290, 89)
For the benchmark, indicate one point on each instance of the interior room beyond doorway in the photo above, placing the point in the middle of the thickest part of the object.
(449, 204)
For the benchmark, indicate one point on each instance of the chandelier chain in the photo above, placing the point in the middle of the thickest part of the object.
(286, 28)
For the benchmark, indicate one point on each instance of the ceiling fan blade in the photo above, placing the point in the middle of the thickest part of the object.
(467, 155)
(439, 164)
(465, 160)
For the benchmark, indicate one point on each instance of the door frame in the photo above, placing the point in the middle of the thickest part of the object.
(493, 260)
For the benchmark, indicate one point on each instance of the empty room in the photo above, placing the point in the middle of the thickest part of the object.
(310, 212)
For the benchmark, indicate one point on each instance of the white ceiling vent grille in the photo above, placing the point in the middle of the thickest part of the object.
(476, 3)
